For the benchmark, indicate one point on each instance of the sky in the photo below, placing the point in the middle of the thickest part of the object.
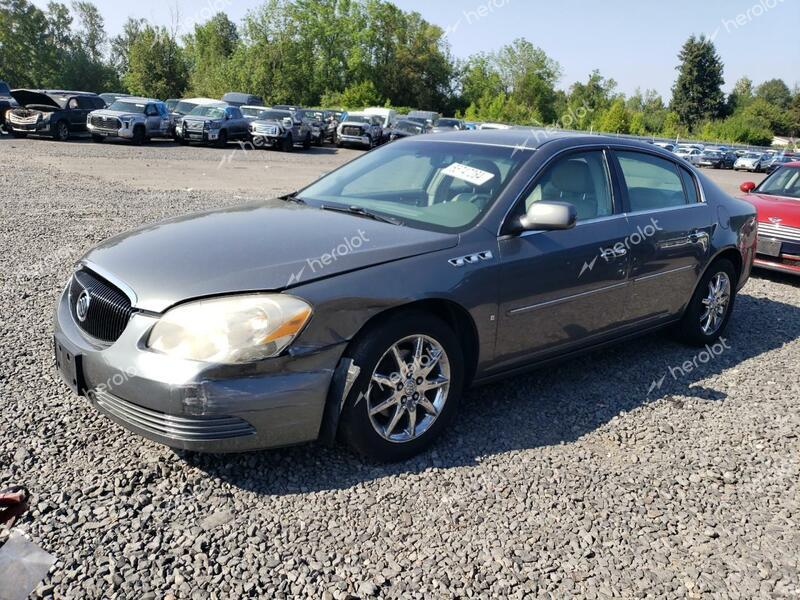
(635, 42)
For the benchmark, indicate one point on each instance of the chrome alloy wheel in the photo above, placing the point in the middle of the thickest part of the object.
(408, 388)
(716, 303)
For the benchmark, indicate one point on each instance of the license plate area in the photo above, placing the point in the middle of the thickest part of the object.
(70, 365)
(769, 247)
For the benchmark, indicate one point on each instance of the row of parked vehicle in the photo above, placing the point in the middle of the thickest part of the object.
(63, 114)
(722, 157)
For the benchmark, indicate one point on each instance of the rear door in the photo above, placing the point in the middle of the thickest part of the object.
(563, 288)
(670, 232)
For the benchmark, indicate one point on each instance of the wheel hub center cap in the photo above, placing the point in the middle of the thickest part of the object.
(410, 387)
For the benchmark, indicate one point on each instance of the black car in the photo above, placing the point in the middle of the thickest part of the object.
(407, 128)
(6, 102)
(56, 113)
(317, 121)
(717, 159)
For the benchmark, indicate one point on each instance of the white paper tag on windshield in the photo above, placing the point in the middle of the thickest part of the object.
(468, 174)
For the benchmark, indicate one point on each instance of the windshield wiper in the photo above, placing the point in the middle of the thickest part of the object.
(361, 212)
(293, 197)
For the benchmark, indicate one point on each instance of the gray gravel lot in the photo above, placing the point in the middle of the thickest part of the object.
(575, 480)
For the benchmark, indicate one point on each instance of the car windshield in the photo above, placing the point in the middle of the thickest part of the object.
(437, 186)
(358, 119)
(251, 111)
(171, 103)
(184, 108)
(409, 127)
(751, 155)
(129, 107)
(212, 112)
(783, 182)
(712, 154)
(447, 123)
(310, 114)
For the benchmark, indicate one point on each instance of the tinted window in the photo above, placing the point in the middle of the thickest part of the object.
(580, 179)
(4, 89)
(652, 182)
(689, 186)
(86, 102)
(234, 113)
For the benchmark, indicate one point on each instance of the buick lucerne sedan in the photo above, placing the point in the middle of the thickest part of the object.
(361, 307)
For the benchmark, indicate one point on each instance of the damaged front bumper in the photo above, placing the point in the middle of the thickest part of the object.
(193, 405)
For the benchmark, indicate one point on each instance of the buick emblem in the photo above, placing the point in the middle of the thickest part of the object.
(82, 305)
(775, 220)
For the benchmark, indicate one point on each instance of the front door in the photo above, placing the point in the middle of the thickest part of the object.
(561, 288)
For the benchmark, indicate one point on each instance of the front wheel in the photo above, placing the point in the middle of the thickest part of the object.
(710, 308)
(20, 135)
(408, 389)
(287, 144)
(222, 139)
(98, 138)
(62, 131)
(307, 142)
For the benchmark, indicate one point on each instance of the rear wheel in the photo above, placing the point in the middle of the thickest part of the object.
(710, 308)
(408, 388)
(62, 131)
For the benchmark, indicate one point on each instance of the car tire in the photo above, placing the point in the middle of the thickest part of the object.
(287, 143)
(61, 131)
(222, 139)
(406, 426)
(99, 139)
(370, 143)
(20, 135)
(307, 142)
(716, 291)
(138, 135)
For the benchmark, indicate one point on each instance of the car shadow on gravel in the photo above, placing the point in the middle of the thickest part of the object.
(547, 407)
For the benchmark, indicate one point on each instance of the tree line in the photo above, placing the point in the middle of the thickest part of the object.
(354, 53)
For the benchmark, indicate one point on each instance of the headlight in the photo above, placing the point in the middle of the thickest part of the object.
(230, 330)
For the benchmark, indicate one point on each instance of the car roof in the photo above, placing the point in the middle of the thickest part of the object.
(530, 138)
(202, 100)
(135, 99)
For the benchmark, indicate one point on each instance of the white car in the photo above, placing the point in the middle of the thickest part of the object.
(751, 161)
(360, 129)
(689, 153)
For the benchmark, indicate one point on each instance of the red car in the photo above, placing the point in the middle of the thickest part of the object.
(777, 200)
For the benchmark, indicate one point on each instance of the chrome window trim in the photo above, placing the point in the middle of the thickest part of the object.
(524, 309)
(594, 146)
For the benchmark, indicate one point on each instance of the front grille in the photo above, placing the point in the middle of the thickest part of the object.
(782, 232)
(194, 125)
(188, 429)
(109, 309)
(355, 131)
(266, 129)
(24, 117)
(109, 123)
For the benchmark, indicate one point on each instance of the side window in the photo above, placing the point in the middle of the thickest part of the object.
(580, 179)
(652, 182)
(235, 113)
(689, 186)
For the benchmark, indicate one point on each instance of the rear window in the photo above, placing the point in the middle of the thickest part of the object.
(653, 183)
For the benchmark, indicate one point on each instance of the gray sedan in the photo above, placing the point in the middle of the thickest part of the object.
(362, 307)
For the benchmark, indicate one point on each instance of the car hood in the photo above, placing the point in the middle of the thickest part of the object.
(776, 207)
(263, 246)
(25, 97)
(104, 112)
(355, 124)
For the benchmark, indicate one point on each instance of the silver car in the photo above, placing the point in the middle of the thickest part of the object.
(361, 307)
(360, 129)
(280, 129)
(130, 118)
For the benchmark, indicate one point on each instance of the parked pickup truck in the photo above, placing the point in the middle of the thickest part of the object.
(280, 129)
(215, 124)
(130, 118)
(56, 113)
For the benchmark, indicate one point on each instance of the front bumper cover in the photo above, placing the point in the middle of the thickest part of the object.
(195, 406)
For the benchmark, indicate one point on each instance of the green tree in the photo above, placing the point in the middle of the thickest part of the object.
(357, 96)
(209, 50)
(697, 94)
(775, 92)
(616, 118)
(587, 101)
(157, 67)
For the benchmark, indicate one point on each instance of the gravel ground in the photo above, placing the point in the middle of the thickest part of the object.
(585, 479)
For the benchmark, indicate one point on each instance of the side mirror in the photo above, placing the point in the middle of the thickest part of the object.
(549, 216)
(747, 187)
